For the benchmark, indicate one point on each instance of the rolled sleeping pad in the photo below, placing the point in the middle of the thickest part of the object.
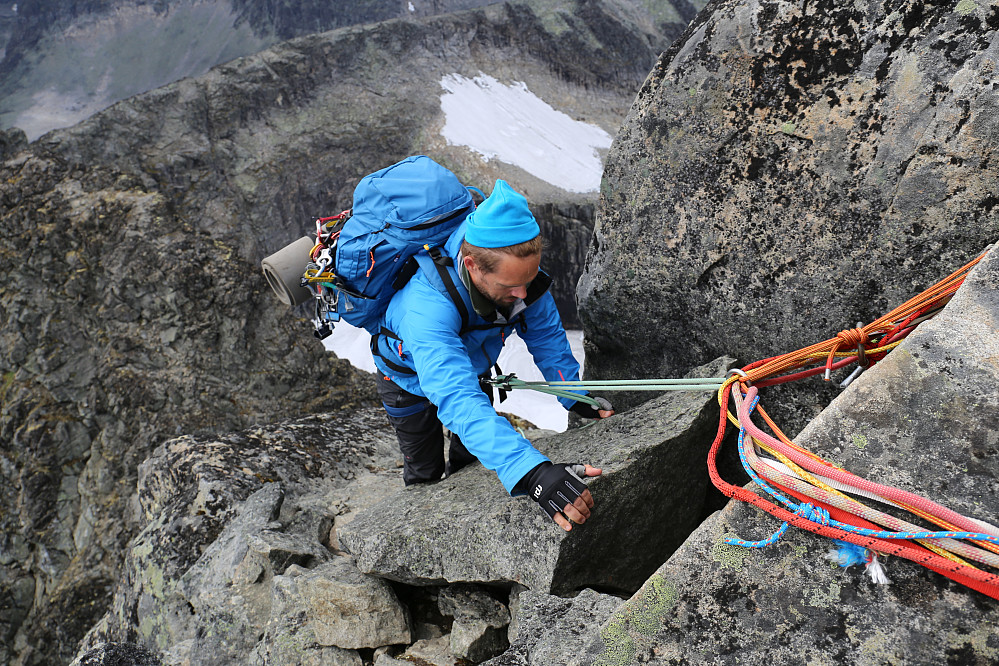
(284, 270)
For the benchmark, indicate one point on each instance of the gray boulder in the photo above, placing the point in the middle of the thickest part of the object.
(351, 610)
(229, 588)
(467, 529)
(555, 630)
(429, 651)
(923, 419)
(480, 621)
(243, 552)
(289, 639)
(228, 519)
(786, 172)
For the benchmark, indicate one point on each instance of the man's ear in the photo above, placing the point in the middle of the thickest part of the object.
(469, 262)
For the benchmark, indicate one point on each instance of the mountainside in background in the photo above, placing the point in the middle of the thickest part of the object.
(63, 60)
(133, 308)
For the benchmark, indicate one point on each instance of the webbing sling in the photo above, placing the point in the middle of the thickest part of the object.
(566, 389)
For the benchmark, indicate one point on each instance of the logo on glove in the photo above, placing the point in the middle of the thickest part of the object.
(537, 491)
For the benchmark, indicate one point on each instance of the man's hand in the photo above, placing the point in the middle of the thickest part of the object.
(560, 491)
(588, 411)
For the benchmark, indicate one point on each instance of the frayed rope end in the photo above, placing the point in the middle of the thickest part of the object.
(876, 571)
(847, 554)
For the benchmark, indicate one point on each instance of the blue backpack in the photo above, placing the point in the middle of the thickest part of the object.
(364, 255)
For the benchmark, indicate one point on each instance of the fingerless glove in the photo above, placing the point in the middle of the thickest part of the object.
(554, 486)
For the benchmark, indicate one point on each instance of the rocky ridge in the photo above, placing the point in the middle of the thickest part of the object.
(61, 62)
(475, 586)
(296, 543)
(219, 532)
(134, 240)
(223, 559)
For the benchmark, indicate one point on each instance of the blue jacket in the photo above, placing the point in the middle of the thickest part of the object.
(431, 358)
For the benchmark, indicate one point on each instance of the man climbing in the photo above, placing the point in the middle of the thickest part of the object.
(444, 330)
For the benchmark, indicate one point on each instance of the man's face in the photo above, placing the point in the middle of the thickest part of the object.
(508, 282)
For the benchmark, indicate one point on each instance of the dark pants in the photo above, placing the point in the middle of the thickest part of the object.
(421, 435)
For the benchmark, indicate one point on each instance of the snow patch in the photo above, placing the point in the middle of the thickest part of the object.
(513, 125)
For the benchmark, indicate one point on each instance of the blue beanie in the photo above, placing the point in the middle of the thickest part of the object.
(501, 220)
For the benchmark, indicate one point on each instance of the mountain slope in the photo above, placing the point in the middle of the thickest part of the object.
(63, 61)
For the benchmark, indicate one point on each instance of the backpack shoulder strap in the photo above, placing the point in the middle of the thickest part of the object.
(442, 265)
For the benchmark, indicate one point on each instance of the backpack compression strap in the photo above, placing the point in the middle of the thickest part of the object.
(392, 365)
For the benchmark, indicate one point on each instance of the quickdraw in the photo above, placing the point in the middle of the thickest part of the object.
(319, 278)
